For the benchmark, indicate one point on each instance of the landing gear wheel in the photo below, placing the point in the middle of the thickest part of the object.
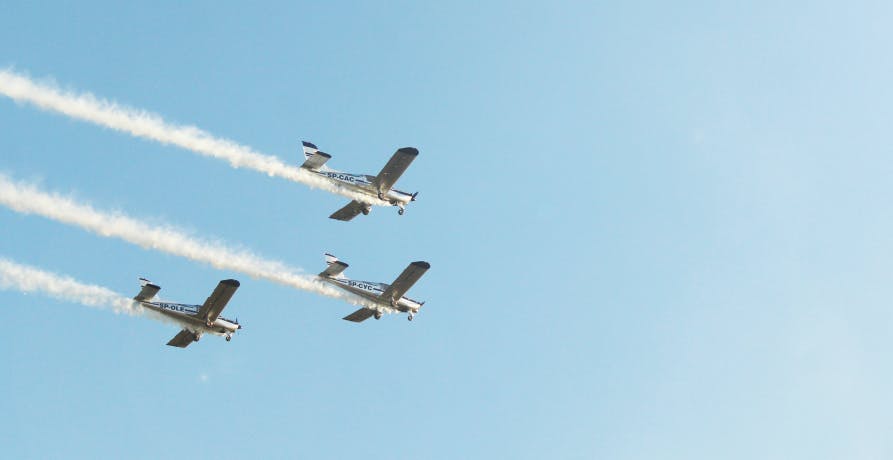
(400, 211)
(208, 323)
(378, 315)
(409, 318)
(366, 211)
(228, 338)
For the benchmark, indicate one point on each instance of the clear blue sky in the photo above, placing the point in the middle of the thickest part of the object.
(656, 230)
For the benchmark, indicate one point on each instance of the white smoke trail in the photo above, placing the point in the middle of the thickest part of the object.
(143, 124)
(28, 279)
(27, 199)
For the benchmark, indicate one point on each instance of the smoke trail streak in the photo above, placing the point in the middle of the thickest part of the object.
(143, 124)
(25, 279)
(27, 199)
(28, 279)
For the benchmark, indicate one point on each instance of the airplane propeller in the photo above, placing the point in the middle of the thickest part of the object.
(230, 335)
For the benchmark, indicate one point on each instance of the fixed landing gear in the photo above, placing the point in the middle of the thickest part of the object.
(366, 210)
(409, 318)
(401, 211)
(378, 315)
(229, 337)
(195, 337)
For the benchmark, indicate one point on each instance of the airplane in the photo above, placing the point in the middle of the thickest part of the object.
(386, 296)
(195, 319)
(377, 188)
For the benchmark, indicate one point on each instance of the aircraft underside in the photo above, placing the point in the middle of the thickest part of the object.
(221, 326)
(372, 291)
(363, 184)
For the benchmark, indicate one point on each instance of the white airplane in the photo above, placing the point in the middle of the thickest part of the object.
(378, 188)
(195, 319)
(386, 296)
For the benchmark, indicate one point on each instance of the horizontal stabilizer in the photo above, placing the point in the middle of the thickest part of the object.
(334, 269)
(147, 292)
(315, 161)
(360, 315)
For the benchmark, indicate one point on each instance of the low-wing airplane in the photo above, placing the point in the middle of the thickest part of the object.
(386, 296)
(378, 188)
(195, 319)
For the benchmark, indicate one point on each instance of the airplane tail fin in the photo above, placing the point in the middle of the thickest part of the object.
(313, 158)
(334, 267)
(148, 290)
(309, 149)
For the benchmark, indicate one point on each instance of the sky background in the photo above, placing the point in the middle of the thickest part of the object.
(656, 230)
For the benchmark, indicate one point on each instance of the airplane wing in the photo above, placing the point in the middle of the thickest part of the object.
(183, 339)
(360, 315)
(353, 209)
(394, 169)
(149, 290)
(405, 281)
(215, 304)
(316, 160)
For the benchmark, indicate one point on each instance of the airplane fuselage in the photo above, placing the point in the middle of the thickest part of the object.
(363, 183)
(373, 291)
(186, 316)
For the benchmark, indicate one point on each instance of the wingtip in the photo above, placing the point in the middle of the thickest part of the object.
(422, 264)
(233, 283)
(409, 151)
(335, 216)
